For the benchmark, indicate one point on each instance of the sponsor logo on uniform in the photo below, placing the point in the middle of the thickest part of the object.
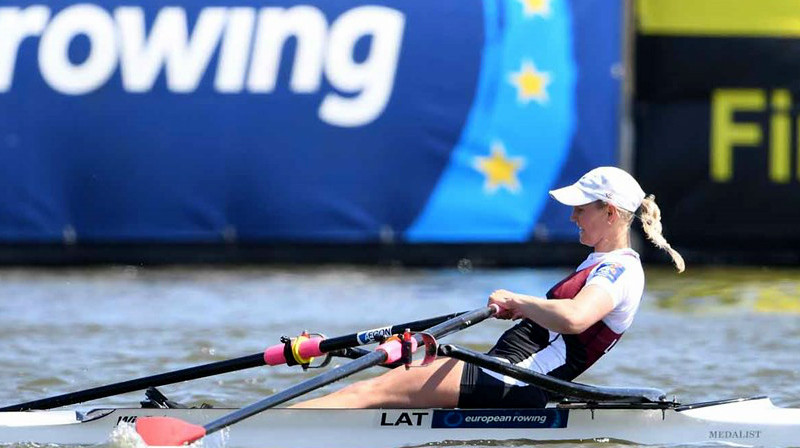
(609, 270)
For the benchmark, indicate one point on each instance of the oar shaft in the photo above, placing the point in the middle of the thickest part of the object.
(177, 376)
(216, 368)
(372, 359)
(388, 351)
(461, 322)
(370, 336)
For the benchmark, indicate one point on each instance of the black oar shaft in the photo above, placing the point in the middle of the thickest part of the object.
(210, 369)
(177, 376)
(372, 359)
(362, 338)
(460, 322)
(365, 362)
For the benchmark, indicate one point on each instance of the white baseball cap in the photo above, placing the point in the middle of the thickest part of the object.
(607, 184)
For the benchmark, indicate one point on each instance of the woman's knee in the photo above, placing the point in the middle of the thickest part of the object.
(365, 388)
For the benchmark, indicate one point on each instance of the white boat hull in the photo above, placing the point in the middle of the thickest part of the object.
(752, 422)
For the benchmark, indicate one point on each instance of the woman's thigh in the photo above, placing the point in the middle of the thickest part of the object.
(435, 385)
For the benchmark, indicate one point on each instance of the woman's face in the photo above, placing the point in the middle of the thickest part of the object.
(593, 222)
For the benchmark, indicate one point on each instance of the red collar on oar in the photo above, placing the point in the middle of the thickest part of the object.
(164, 431)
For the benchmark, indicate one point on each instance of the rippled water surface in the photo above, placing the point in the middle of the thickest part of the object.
(711, 333)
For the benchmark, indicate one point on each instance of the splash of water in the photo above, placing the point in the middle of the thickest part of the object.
(125, 436)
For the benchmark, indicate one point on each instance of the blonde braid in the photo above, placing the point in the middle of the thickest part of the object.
(650, 215)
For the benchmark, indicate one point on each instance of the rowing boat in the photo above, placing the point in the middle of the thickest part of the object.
(752, 421)
(579, 412)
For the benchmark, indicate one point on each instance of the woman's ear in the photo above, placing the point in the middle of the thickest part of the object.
(612, 213)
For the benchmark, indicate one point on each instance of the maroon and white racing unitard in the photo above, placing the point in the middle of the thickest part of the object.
(565, 356)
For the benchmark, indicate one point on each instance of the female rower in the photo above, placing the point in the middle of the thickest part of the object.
(561, 338)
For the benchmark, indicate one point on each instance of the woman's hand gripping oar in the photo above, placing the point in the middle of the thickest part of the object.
(168, 431)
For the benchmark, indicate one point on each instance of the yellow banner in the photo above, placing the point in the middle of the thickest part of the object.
(741, 18)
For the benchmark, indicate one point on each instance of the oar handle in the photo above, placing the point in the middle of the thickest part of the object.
(460, 322)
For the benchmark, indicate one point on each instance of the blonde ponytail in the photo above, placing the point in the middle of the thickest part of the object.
(650, 215)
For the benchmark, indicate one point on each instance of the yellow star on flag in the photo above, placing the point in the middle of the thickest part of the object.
(499, 169)
(536, 8)
(531, 84)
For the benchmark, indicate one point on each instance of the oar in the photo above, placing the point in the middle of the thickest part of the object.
(169, 431)
(552, 384)
(274, 355)
(358, 352)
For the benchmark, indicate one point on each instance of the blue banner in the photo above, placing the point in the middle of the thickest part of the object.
(347, 121)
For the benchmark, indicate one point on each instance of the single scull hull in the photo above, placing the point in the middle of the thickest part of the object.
(744, 422)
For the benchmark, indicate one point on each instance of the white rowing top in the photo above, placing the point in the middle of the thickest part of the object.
(620, 273)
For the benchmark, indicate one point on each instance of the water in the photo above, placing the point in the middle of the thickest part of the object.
(703, 335)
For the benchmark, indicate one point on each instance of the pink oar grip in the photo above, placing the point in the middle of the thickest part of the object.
(309, 348)
(394, 349)
(273, 356)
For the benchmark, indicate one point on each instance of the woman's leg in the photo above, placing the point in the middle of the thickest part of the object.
(435, 385)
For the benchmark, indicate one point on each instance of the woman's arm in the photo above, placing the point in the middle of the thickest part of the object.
(562, 316)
